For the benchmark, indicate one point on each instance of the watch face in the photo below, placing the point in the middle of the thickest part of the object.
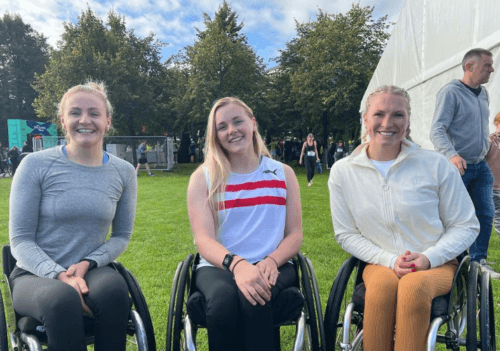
(227, 261)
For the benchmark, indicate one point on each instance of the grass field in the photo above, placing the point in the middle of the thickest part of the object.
(162, 237)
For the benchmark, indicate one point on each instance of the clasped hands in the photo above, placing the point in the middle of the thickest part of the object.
(411, 262)
(256, 281)
(74, 277)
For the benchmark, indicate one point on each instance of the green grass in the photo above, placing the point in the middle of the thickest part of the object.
(162, 237)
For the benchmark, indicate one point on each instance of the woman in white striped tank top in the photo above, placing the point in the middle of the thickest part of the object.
(246, 218)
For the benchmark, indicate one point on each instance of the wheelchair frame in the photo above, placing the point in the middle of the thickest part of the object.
(140, 325)
(181, 331)
(344, 319)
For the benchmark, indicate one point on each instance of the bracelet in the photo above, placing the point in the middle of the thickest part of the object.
(277, 266)
(237, 264)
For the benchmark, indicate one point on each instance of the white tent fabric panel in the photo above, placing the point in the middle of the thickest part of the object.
(425, 52)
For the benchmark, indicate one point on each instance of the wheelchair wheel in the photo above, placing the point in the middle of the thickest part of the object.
(340, 297)
(486, 315)
(473, 304)
(140, 305)
(317, 301)
(312, 342)
(3, 327)
(177, 308)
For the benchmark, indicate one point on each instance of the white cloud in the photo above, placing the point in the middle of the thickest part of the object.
(174, 21)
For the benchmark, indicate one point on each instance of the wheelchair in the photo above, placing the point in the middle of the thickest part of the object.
(27, 333)
(299, 306)
(468, 304)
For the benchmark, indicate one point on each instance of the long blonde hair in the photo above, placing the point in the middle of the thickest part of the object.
(216, 159)
(382, 90)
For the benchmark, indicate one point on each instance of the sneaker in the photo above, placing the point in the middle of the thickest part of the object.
(310, 183)
(486, 268)
(151, 174)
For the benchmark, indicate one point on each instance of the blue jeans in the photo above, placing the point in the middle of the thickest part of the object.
(478, 180)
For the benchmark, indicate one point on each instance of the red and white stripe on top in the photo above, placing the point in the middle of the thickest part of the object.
(251, 217)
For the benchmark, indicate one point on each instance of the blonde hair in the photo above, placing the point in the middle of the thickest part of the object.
(382, 90)
(496, 121)
(216, 159)
(90, 87)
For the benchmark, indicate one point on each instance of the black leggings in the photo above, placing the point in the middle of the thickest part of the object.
(310, 164)
(58, 306)
(233, 322)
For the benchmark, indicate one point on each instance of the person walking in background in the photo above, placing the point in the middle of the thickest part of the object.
(192, 151)
(143, 160)
(493, 159)
(339, 151)
(26, 147)
(311, 150)
(13, 155)
(459, 131)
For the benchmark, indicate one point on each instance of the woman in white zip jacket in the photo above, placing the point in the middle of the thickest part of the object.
(404, 211)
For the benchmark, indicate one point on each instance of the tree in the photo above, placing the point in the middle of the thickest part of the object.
(221, 63)
(129, 66)
(23, 52)
(330, 64)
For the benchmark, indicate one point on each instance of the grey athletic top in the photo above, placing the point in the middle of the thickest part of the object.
(460, 123)
(60, 212)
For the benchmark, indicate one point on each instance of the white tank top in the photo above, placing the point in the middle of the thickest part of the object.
(252, 225)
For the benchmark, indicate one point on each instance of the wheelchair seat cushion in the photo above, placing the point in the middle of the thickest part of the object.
(439, 306)
(287, 306)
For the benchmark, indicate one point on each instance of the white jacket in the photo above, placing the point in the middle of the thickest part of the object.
(422, 206)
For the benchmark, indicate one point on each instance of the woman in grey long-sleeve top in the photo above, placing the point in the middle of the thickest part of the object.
(62, 204)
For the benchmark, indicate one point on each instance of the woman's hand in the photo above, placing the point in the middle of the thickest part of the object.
(416, 261)
(79, 269)
(269, 270)
(401, 271)
(252, 284)
(74, 277)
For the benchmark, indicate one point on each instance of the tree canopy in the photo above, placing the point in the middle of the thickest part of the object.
(23, 52)
(221, 63)
(329, 65)
(129, 66)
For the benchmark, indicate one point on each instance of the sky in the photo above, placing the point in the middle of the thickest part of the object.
(268, 24)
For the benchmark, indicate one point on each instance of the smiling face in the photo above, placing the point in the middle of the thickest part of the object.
(85, 119)
(235, 129)
(386, 122)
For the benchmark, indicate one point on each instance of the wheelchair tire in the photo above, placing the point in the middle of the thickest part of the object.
(317, 300)
(139, 304)
(171, 307)
(340, 296)
(472, 306)
(486, 315)
(4, 346)
(312, 325)
(177, 308)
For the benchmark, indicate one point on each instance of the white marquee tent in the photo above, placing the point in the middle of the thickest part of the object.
(425, 52)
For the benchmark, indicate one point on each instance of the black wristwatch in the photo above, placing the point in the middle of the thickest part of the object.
(92, 264)
(228, 259)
